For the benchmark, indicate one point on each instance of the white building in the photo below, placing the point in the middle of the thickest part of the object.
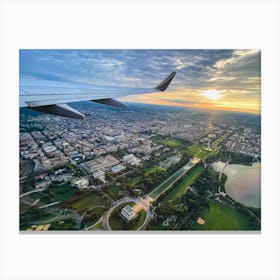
(128, 213)
(208, 145)
(212, 136)
(131, 159)
(81, 183)
(170, 161)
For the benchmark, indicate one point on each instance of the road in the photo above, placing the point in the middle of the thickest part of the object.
(34, 191)
(93, 225)
(62, 217)
(48, 205)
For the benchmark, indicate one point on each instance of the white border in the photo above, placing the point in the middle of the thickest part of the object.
(155, 24)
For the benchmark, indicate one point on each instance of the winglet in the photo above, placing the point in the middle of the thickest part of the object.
(165, 83)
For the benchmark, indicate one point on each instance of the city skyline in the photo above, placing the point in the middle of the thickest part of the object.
(146, 168)
(210, 79)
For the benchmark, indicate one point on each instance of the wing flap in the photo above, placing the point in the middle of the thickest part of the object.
(110, 102)
(63, 110)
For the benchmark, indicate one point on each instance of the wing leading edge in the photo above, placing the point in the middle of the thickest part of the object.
(51, 97)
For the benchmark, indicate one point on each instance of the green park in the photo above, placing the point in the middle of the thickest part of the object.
(181, 186)
(221, 217)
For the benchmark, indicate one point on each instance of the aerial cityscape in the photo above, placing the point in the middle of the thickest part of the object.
(188, 159)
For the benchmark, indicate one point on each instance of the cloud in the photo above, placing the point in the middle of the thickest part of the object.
(235, 73)
(239, 71)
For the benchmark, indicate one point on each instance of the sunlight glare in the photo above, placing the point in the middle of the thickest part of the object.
(212, 94)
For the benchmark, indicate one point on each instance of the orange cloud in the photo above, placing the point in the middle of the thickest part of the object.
(230, 100)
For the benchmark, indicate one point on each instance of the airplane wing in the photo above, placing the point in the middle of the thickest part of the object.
(52, 96)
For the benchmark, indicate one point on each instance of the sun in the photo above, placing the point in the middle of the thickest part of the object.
(212, 94)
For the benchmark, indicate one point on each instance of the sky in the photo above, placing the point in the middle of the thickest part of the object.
(209, 79)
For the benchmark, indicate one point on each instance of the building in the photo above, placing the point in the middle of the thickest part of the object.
(78, 157)
(107, 138)
(81, 183)
(147, 157)
(247, 131)
(144, 149)
(99, 174)
(212, 136)
(128, 213)
(117, 168)
(42, 185)
(49, 149)
(131, 159)
(102, 163)
(166, 222)
(38, 136)
(170, 161)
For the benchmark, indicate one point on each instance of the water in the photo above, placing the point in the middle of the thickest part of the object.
(243, 183)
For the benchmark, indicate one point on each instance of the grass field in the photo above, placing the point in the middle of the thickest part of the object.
(221, 139)
(88, 202)
(114, 190)
(64, 192)
(152, 170)
(160, 226)
(202, 154)
(193, 149)
(34, 216)
(180, 188)
(97, 226)
(60, 193)
(173, 143)
(135, 180)
(23, 207)
(221, 217)
(142, 216)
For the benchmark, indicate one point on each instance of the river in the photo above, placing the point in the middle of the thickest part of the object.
(243, 183)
